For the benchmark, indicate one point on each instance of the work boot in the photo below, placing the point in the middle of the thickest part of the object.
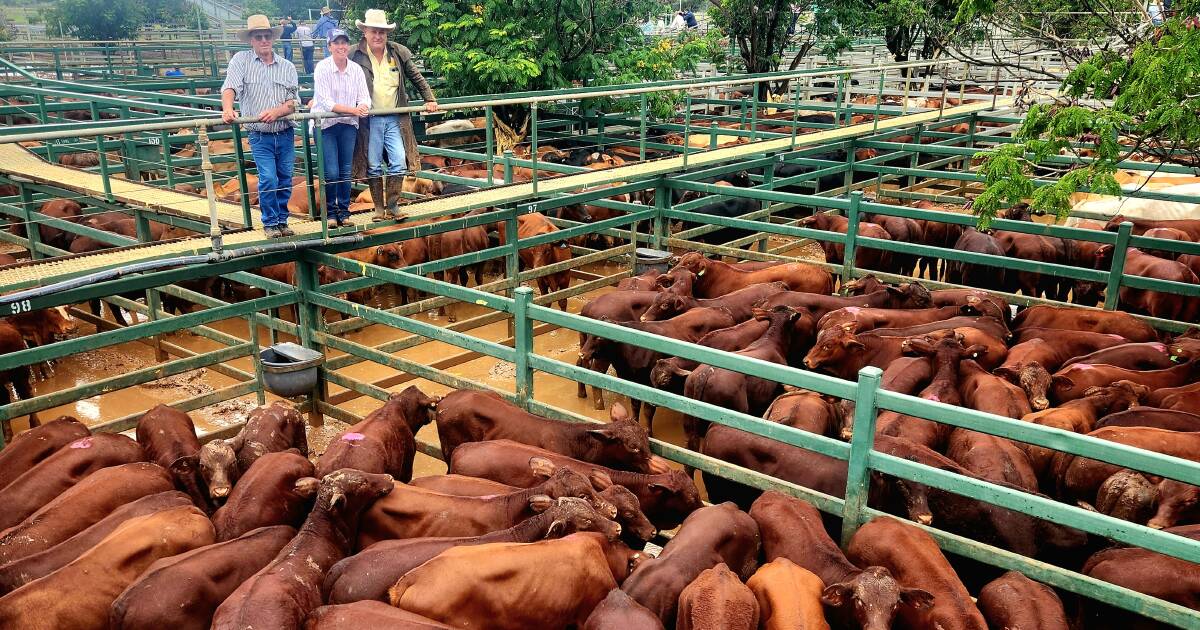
(270, 231)
(284, 230)
(395, 192)
(376, 186)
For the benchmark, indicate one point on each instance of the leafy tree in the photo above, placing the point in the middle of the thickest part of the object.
(97, 19)
(263, 7)
(1137, 98)
(174, 13)
(904, 24)
(760, 29)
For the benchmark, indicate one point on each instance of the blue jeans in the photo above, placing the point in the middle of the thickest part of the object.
(337, 147)
(287, 52)
(274, 157)
(307, 53)
(385, 139)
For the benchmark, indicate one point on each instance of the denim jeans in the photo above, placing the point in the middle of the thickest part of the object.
(287, 52)
(385, 139)
(307, 53)
(337, 151)
(274, 157)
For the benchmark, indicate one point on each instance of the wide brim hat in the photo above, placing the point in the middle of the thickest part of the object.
(326, 10)
(375, 18)
(258, 22)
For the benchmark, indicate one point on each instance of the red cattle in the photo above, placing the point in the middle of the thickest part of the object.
(666, 498)
(717, 599)
(277, 490)
(716, 278)
(18, 573)
(1015, 601)
(1154, 574)
(271, 429)
(906, 296)
(617, 306)
(901, 230)
(619, 611)
(1030, 362)
(866, 257)
(647, 281)
(1151, 355)
(1071, 382)
(44, 326)
(20, 377)
(462, 485)
(371, 572)
(283, 593)
(809, 411)
(992, 458)
(33, 446)
(169, 438)
(1079, 477)
(983, 276)
(183, 591)
(1080, 416)
(368, 614)
(456, 243)
(740, 303)
(708, 537)
(1035, 248)
(1068, 318)
(1154, 303)
(1152, 417)
(384, 441)
(948, 356)
(864, 319)
(983, 391)
(842, 353)
(914, 558)
(60, 209)
(408, 512)
(670, 374)
(792, 530)
(473, 416)
(536, 224)
(1191, 227)
(63, 470)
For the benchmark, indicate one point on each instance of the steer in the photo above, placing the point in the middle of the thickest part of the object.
(1080, 416)
(1071, 382)
(277, 490)
(717, 599)
(670, 374)
(1015, 601)
(33, 446)
(282, 593)
(619, 611)
(271, 429)
(1152, 417)
(371, 572)
(1151, 355)
(169, 438)
(789, 597)
(1154, 574)
(1031, 362)
(740, 303)
(866, 258)
(384, 441)
(536, 224)
(1092, 320)
(183, 591)
(906, 296)
(1153, 303)
(618, 306)
(473, 416)
(368, 614)
(716, 278)
(1079, 478)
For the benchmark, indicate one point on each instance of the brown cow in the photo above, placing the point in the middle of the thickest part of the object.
(1153, 417)
(60, 209)
(1080, 416)
(81, 505)
(271, 429)
(462, 485)
(63, 470)
(1031, 361)
(408, 512)
(183, 591)
(1154, 574)
(456, 243)
(1190, 227)
(809, 411)
(1153, 303)
(1015, 601)
(914, 558)
(866, 257)
(717, 278)
(105, 570)
(717, 600)
(983, 391)
(1093, 320)
(793, 530)
(865, 319)
(619, 611)
(371, 572)
(670, 374)
(277, 490)
(536, 224)
(983, 276)
(546, 584)
(617, 306)
(283, 593)
(1151, 355)
(33, 446)
(1071, 382)
(709, 536)
(368, 614)
(384, 441)
(666, 498)
(44, 326)
(169, 438)
(906, 296)
(17, 573)
(473, 416)
(948, 355)
(21, 377)
(789, 597)
(740, 303)
(1079, 477)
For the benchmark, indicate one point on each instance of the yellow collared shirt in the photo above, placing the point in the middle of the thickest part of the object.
(385, 82)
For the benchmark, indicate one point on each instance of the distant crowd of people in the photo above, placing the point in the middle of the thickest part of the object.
(308, 38)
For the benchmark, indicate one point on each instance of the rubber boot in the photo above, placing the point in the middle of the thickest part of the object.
(375, 185)
(395, 192)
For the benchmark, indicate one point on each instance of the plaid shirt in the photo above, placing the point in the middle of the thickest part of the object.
(258, 87)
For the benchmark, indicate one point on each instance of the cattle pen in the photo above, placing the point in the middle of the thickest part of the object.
(893, 155)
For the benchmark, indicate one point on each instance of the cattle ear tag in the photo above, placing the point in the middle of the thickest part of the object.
(652, 550)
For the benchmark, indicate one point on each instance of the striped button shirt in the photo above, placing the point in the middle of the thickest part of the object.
(259, 86)
(339, 87)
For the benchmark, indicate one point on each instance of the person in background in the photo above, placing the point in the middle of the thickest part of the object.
(689, 19)
(305, 35)
(265, 88)
(173, 72)
(1155, 10)
(677, 22)
(385, 65)
(289, 29)
(323, 27)
(339, 86)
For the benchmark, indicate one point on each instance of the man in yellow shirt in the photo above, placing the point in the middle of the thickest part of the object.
(387, 136)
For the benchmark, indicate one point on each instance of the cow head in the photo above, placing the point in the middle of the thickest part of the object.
(622, 442)
(1119, 396)
(574, 212)
(665, 306)
(59, 322)
(834, 345)
(417, 408)
(1127, 495)
(629, 509)
(1184, 349)
(981, 304)
(674, 497)
(346, 492)
(569, 515)
(564, 482)
(667, 375)
(1177, 502)
(912, 295)
(1031, 377)
(866, 284)
(873, 597)
(219, 468)
(1114, 223)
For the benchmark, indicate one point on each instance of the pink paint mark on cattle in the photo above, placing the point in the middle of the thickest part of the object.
(82, 443)
(934, 398)
(353, 437)
(1083, 367)
(853, 310)
(1114, 336)
(1161, 347)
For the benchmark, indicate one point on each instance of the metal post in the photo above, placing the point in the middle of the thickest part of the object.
(713, 127)
(214, 229)
(848, 180)
(915, 158)
(687, 130)
(851, 248)
(32, 231)
(599, 129)
(837, 106)
(153, 300)
(642, 130)
(247, 220)
(858, 473)
(754, 118)
(260, 394)
(308, 180)
(768, 179)
(489, 131)
(108, 196)
(878, 100)
(661, 230)
(165, 139)
(533, 122)
(741, 114)
(1113, 289)
(795, 115)
(309, 319)
(508, 166)
(323, 213)
(523, 344)
(512, 260)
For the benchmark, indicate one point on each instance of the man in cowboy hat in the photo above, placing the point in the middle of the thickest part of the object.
(323, 28)
(265, 87)
(385, 65)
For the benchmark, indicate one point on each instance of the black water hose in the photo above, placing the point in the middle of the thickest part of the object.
(154, 265)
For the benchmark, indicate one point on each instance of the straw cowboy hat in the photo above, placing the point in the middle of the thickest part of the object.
(376, 18)
(258, 22)
(326, 10)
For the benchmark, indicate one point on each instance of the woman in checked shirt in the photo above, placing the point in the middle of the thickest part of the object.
(341, 88)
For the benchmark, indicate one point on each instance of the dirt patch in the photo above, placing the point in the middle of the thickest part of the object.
(191, 383)
(320, 437)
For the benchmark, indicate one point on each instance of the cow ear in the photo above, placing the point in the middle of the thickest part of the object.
(836, 595)
(849, 342)
(916, 599)
(604, 435)
(540, 502)
(306, 486)
(541, 467)
(1007, 374)
(600, 479)
(1064, 382)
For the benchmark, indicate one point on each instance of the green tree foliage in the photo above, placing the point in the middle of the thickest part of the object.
(180, 13)
(760, 28)
(904, 24)
(1140, 100)
(97, 19)
(263, 7)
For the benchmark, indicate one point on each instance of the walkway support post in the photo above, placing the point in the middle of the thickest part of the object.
(858, 473)
(523, 344)
(214, 229)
